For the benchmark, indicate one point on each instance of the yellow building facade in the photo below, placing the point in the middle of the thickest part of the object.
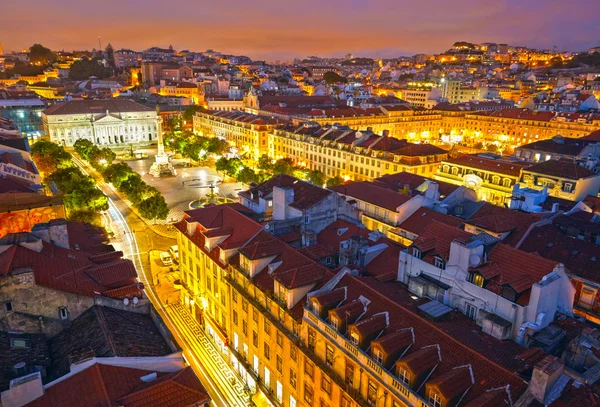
(249, 134)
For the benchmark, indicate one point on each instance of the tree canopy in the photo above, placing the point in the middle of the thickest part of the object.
(332, 77)
(40, 55)
(81, 70)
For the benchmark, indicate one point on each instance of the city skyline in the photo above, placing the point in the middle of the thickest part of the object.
(277, 31)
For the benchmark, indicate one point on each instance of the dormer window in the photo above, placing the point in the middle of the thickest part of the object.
(403, 375)
(354, 338)
(440, 263)
(378, 356)
(435, 399)
(416, 252)
(335, 323)
(316, 308)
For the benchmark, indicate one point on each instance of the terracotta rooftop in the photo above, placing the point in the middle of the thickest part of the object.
(561, 168)
(488, 164)
(419, 220)
(103, 385)
(371, 193)
(460, 342)
(413, 181)
(105, 332)
(96, 106)
(306, 194)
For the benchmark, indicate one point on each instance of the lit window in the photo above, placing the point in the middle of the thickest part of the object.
(434, 399)
(403, 375)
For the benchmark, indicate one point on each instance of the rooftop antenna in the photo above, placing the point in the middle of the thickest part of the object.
(99, 44)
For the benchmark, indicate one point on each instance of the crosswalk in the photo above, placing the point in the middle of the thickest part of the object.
(221, 374)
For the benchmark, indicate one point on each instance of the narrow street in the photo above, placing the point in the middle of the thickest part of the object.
(136, 239)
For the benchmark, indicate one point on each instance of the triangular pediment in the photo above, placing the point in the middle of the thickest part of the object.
(107, 118)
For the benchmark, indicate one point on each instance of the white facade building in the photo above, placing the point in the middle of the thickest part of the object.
(103, 122)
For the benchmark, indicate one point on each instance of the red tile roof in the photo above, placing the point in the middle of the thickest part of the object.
(561, 168)
(454, 382)
(69, 270)
(516, 268)
(419, 220)
(399, 180)
(488, 164)
(460, 341)
(579, 257)
(103, 385)
(436, 238)
(306, 194)
(373, 194)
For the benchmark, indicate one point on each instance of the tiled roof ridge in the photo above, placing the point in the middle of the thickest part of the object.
(102, 383)
(438, 330)
(98, 311)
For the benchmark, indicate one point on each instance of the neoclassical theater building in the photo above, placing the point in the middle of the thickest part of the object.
(102, 121)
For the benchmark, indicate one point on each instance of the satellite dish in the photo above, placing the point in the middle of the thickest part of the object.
(474, 260)
(126, 301)
(135, 300)
(267, 226)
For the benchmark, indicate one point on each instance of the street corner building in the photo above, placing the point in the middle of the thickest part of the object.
(101, 121)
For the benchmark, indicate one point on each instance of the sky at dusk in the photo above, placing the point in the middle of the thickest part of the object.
(283, 29)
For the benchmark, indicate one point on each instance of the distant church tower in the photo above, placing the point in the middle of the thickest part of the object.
(1, 51)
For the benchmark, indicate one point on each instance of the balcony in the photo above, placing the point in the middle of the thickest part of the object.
(390, 381)
(263, 310)
(335, 377)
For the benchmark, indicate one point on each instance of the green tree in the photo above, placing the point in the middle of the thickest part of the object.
(87, 196)
(86, 216)
(246, 176)
(492, 147)
(84, 148)
(283, 166)
(316, 177)
(102, 157)
(222, 164)
(332, 77)
(193, 151)
(109, 52)
(134, 187)
(189, 113)
(40, 55)
(265, 163)
(217, 146)
(154, 207)
(335, 181)
(117, 174)
(81, 70)
(234, 166)
(68, 179)
(49, 156)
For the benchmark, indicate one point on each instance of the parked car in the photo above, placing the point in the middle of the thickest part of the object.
(166, 259)
(174, 250)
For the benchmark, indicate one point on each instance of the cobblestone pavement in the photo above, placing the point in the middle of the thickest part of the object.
(179, 191)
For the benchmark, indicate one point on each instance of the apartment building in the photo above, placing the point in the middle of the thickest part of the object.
(302, 335)
(522, 126)
(248, 133)
(401, 121)
(564, 179)
(492, 179)
(352, 154)
(126, 58)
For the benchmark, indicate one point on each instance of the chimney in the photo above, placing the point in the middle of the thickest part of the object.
(555, 207)
(23, 390)
(58, 233)
(545, 375)
(282, 198)
(432, 191)
(309, 238)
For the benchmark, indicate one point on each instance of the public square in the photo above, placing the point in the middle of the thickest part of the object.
(188, 185)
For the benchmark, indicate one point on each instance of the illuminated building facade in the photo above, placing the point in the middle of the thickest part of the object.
(492, 180)
(101, 121)
(352, 154)
(522, 126)
(248, 133)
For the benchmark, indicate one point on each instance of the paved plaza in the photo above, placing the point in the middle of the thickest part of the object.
(188, 185)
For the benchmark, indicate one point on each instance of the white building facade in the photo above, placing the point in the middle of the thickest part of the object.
(103, 122)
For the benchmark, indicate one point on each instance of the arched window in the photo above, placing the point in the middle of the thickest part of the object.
(496, 180)
(454, 171)
(506, 182)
